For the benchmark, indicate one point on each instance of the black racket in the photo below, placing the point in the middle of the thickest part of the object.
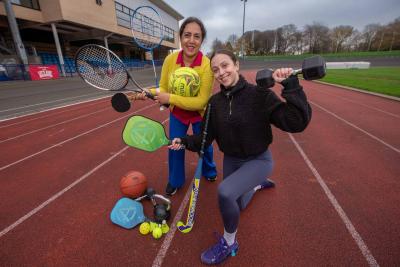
(104, 70)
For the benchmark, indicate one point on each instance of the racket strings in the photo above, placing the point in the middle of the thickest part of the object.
(147, 28)
(101, 68)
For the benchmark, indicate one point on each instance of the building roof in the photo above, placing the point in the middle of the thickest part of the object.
(167, 8)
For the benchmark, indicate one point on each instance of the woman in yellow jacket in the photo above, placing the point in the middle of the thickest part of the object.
(187, 110)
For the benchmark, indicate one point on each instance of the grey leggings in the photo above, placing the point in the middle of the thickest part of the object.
(236, 190)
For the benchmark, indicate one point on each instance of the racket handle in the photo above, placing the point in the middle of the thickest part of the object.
(164, 107)
(151, 96)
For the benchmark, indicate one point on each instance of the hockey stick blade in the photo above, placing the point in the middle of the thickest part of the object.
(186, 228)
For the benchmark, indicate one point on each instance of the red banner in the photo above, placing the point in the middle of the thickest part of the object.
(41, 72)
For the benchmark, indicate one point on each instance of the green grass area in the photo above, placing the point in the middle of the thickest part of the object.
(383, 80)
(395, 53)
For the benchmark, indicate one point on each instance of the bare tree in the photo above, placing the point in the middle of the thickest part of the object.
(217, 44)
(285, 37)
(369, 34)
(317, 38)
(394, 32)
(340, 35)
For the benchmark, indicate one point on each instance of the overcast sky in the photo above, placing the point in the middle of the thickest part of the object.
(224, 17)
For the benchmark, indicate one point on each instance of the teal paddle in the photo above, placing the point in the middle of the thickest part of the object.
(144, 133)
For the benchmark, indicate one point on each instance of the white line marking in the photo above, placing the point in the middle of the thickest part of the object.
(361, 104)
(352, 230)
(60, 193)
(48, 102)
(356, 127)
(53, 125)
(23, 114)
(170, 235)
(48, 115)
(57, 195)
(70, 139)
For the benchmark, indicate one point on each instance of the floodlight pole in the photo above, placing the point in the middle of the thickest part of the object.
(244, 15)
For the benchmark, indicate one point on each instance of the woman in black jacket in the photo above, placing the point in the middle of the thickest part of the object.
(240, 122)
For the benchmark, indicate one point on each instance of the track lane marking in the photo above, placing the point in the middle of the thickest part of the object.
(61, 192)
(57, 195)
(70, 139)
(50, 115)
(345, 219)
(53, 125)
(356, 127)
(361, 104)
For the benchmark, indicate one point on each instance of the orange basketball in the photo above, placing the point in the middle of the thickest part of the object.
(133, 184)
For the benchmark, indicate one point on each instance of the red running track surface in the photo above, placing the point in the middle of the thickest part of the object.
(335, 203)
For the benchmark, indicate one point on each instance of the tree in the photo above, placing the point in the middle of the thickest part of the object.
(217, 44)
(369, 34)
(340, 35)
(317, 38)
(285, 37)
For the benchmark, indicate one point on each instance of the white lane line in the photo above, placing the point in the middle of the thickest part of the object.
(170, 235)
(57, 195)
(27, 113)
(364, 105)
(48, 102)
(356, 127)
(350, 227)
(49, 115)
(53, 125)
(60, 193)
(70, 139)
(158, 260)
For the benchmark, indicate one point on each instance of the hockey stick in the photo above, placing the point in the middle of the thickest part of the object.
(187, 227)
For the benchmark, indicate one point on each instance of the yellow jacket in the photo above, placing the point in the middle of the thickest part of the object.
(196, 103)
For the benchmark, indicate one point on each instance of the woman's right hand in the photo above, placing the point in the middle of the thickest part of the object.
(176, 144)
(140, 96)
(281, 74)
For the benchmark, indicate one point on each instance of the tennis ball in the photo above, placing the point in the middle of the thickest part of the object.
(164, 227)
(144, 228)
(184, 81)
(153, 225)
(157, 233)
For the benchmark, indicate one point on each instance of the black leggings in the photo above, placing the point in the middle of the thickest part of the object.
(236, 190)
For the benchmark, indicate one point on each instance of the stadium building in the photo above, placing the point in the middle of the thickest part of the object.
(50, 31)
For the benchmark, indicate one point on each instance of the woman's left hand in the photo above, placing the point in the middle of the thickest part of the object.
(162, 98)
(281, 74)
(176, 144)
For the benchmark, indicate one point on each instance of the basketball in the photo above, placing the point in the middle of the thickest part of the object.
(184, 81)
(133, 184)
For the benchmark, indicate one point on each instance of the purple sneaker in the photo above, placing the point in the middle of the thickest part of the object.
(219, 252)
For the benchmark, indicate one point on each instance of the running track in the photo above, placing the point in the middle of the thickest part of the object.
(336, 202)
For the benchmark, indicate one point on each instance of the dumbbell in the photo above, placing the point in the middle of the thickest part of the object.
(313, 68)
(162, 211)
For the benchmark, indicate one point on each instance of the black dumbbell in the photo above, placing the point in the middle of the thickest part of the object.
(160, 211)
(313, 68)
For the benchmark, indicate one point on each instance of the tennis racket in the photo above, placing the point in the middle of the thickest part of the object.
(104, 70)
(147, 31)
(187, 227)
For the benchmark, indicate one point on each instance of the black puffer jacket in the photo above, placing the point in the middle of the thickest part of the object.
(241, 117)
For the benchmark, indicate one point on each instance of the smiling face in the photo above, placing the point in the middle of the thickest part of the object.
(225, 70)
(191, 40)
